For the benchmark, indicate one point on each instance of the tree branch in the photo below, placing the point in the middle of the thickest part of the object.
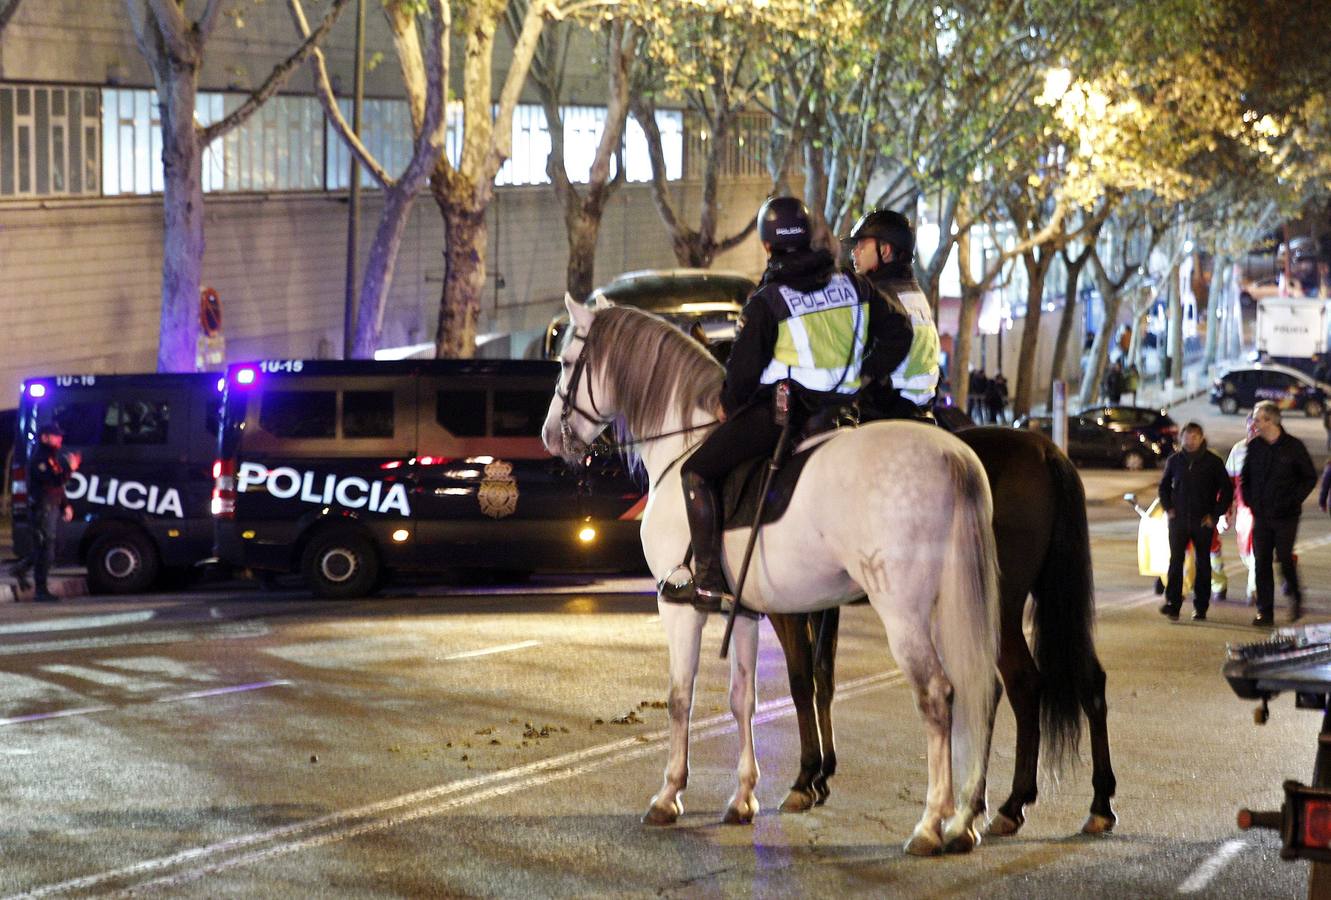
(174, 29)
(520, 61)
(324, 89)
(208, 21)
(276, 78)
(7, 13)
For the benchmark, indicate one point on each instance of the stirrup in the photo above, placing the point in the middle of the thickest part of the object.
(677, 591)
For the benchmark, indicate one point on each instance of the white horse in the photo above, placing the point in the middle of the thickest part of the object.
(895, 510)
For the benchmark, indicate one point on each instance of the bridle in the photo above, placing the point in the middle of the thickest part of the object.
(569, 400)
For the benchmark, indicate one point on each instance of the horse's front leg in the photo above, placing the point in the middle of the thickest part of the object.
(683, 627)
(743, 805)
(825, 627)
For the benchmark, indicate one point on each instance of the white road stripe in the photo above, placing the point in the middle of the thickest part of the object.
(78, 623)
(429, 801)
(1211, 867)
(502, 648)
(174, 698)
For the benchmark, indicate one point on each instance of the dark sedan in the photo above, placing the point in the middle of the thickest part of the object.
(1290, 389)
(1155, 424)
(1092, 442)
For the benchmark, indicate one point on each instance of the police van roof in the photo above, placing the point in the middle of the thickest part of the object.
(129, 380)
(367, 367)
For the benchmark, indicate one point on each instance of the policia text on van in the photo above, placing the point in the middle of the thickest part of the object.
(141, 495)
(346, 470)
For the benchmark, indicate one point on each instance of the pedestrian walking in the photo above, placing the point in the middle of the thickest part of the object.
(1111, 388)
(1132, 382)
(1277, 477)
(975, 388)
(995, 399)
(1239, 516)
(49, 468)
(1195, 491)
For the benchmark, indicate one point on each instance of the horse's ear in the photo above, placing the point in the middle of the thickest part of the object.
(578, 313)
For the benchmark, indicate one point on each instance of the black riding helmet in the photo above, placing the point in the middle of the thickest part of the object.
(886, 226)
(783, 222)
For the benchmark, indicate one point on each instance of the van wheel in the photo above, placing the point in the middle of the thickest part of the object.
(1229, 406)
(1313, 409)
(340, 564)
(122, 562)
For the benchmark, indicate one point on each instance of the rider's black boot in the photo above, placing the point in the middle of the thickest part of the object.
(704, 512)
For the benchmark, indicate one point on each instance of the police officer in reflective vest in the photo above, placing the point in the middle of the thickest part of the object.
(48, 470)
(827, 330)
(882, 247)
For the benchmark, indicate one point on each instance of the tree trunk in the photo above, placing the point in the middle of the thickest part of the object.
(466, 237)
(379, 267)
(1037, 265)
(182, 227)
(967, 320)
(1215, 308)
(1065, 321)
(1174, 320)
(1098, 358)
(584, 230)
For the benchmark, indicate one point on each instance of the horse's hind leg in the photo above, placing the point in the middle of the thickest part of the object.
(825, 626)
(797, 642)
(1102, 818)
(918, 660)
(1022, 679)
(743, 805)
(683, 626)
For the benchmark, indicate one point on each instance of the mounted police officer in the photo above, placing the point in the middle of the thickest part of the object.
(49, 468)
(828, 331)
(882, 247)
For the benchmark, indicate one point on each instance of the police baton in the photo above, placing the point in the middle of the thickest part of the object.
(780, 415)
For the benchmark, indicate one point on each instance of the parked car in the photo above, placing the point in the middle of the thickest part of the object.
(1155, 424)
(1091, 442)
(709, 299)
(1243, 387)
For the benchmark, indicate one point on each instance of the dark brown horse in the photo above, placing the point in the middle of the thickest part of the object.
(1044, 552)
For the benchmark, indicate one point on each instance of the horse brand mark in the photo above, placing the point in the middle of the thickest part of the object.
(499, 492)
(285, 483)
(125, 494)
(873, 572)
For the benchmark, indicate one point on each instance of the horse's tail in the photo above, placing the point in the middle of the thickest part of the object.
(1065, 618)
(967, 618)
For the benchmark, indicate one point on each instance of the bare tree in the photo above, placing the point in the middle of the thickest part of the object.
(173, 47)
(583, 210)
(426, 81)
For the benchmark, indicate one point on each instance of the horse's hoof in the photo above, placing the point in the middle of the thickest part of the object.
(963, 841)
(798, 801)
(1002, 825)
(821, 792)
(1098, 824)
(740, 815)
(661, 815)
(921, 844)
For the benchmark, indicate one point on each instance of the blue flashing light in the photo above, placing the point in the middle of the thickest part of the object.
(37, 391)
(246, 376)
(221, 384)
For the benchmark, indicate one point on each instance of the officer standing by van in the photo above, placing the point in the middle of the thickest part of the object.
(49, 469)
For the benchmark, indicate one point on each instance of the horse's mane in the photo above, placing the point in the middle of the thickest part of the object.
(647, 363)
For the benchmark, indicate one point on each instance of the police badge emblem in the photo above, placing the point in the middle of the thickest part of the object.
(498, 495)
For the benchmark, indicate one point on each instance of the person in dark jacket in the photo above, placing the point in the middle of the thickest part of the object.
(828, 331)
(1195, 492)
(1277, 476)
(1325, 495)
(49, 468)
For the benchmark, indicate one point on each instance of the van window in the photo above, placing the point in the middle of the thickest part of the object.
(299, 414)
(367, 414)
(140, 423)
(519, 413)
(85, 423)
(462, 412)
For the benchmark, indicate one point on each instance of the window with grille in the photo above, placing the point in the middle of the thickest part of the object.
(49, 141)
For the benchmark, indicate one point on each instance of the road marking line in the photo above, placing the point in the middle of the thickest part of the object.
(1211, 866)
(428, 801)
(78, 623)
(59, 714)
(502, 648)
(174, 698)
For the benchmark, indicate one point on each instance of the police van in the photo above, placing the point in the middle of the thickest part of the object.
(346, 471)
(141, 495)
